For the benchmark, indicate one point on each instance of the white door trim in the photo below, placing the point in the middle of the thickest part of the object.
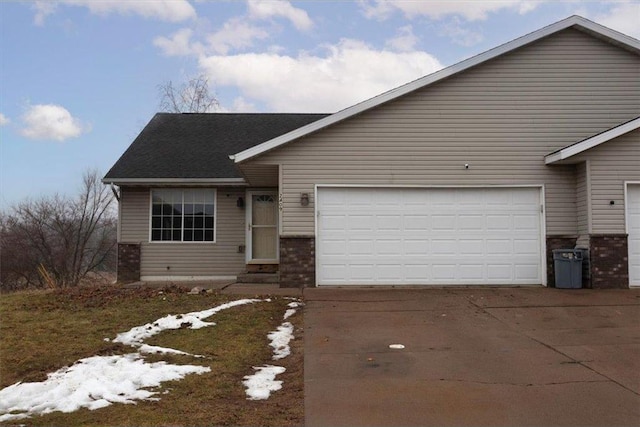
(248, 221)
(543, 209)
(626, 227)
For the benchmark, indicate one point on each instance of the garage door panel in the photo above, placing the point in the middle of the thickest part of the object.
(429, 236)
(499, 272)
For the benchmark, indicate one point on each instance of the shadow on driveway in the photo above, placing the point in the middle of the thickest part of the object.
(516, 356)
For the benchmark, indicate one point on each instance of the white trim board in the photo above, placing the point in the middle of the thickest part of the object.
(591, 142)
(578, 22)
(175, 181)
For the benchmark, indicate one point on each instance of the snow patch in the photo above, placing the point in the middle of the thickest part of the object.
(91, 383)
(262, 383)
(280, 340)
(100, 381)
(135, 336)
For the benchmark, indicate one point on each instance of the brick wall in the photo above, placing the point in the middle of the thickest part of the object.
(128, 262)
(609, 261)
(297, 262)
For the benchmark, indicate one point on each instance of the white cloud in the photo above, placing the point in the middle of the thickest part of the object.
(241, 105)
(350, 72)
(236, 33)
(623, 17)
(4, 120)
(264, 9)
(404, 41)
(471, 10)
(179, 43)
(43, 9)
(164, 10)
(461, 35)
(51, 122)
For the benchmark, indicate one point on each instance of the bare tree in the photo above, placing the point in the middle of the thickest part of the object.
(191, 97)
(56, 240)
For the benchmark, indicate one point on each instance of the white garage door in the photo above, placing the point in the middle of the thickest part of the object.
(633, 228)
(435, 236)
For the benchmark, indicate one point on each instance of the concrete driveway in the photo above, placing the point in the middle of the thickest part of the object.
(517, 356)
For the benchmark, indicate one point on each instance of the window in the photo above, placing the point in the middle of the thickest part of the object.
(183, 215)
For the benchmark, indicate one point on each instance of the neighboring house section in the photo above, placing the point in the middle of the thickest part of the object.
(183, 202)
(472, 175)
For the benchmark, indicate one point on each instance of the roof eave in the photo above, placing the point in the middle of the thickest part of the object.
(175, 181)
(572, 21)
(594, 141)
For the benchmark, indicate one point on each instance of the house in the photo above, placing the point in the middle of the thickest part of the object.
(468, 176)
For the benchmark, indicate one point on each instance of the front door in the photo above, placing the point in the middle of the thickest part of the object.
(262, 227)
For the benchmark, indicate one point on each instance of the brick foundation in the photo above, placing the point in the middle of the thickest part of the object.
(262, 268)
(609, 261)
(556, 242)
(128, 262)
(297, 262)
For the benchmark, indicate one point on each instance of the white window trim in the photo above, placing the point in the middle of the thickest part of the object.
(182, 242)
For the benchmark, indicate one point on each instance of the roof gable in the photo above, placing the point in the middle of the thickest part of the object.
(576, 22)
(591, 142)
(195, 147)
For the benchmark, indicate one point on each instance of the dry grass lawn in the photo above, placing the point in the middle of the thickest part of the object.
(41, 332)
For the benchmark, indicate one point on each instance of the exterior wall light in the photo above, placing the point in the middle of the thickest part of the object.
(240, 202)
(304, 199)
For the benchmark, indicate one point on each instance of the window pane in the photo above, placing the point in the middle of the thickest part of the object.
(156, 234)
(177, 222)
(188, 208)
(156, 222)
(208, 209)
(177, 235)
(188, 235)
(198, 209)
(198, 222)
(156, 209)
(198, 235)
(208, 235)
(188, 222)
(208, 222)
(166, 234)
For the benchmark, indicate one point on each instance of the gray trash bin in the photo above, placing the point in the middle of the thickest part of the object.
(568, 267)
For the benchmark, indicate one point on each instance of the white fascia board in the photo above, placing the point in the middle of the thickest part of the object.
(575, 20)
(175, 181)
(594, 141)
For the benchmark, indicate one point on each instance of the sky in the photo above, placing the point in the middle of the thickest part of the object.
(79, 78)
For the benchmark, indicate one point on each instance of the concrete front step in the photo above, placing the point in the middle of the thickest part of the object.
(258, 278)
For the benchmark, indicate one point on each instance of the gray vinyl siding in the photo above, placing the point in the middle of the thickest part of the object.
(611, 164)
(186, 259)
(582, 203)
(502, 117)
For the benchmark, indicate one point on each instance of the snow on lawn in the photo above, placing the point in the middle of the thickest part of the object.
(135, 336)
(260, 384)
(92, 383)
(99, 381)
(280, 340)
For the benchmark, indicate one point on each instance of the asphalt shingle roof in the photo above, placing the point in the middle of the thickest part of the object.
(198, 145)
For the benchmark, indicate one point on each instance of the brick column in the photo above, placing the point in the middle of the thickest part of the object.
(128, 262)
(609, 261)
(297, 261)
(557, 242)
